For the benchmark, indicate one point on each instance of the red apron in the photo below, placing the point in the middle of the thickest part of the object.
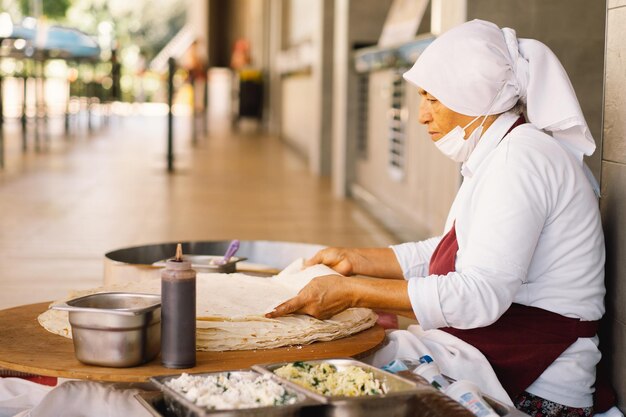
(525, 340)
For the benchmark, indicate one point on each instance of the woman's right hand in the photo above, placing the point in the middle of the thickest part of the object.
(375, 262)
(342, 260)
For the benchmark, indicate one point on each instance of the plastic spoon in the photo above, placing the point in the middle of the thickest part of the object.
(232, 249)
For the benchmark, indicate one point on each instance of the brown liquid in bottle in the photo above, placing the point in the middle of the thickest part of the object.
(178, 314)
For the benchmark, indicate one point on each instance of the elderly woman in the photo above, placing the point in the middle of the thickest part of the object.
(517, 278)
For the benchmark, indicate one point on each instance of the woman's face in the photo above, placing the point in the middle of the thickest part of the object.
(439, 119)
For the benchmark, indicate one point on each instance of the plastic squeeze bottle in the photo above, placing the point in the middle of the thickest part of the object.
(424, 366)
(178, 313)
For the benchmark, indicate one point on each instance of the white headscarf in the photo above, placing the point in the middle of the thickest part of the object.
(466, 67)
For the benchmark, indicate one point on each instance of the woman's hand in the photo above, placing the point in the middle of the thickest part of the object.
(328, 295)
(342, 260)
(321, 298)
(375, 262)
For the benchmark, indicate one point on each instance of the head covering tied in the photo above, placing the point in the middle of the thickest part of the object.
(477, 68)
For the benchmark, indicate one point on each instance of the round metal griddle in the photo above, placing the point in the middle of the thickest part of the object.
(262, 257)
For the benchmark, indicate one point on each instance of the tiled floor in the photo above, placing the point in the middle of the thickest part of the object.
(64, 207)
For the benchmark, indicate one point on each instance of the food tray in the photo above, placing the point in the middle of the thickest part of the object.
(397, 402)
(154, 403)
(179, 406)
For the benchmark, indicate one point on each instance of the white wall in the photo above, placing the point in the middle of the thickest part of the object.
(198, 19)
(297, 115)
(355, 22)
(419, 202)
(301, 21)
(303, 121)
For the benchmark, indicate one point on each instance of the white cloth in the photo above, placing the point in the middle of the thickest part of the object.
(613, 412)
(466, 67)
(529, 232)
(74, 399)
(454, 357)
(17, 395)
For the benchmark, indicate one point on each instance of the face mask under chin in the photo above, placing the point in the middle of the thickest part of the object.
(454, 146)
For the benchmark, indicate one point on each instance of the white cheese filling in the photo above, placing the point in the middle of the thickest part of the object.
(232, 390)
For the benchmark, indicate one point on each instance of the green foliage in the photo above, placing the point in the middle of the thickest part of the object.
(53, 9)
(149, 25)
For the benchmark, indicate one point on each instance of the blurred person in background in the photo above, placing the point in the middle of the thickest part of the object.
(240, 57)
(194, 61)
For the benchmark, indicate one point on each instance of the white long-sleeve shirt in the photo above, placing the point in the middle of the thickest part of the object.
(529, 231)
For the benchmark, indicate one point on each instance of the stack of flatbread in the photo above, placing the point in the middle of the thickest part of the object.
(231, 308)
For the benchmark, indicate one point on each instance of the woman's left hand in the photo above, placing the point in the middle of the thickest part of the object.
(321, 298)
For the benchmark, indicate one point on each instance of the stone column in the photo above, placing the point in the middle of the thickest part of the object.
(613, 200)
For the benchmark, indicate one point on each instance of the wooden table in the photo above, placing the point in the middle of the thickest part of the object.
(25, 346)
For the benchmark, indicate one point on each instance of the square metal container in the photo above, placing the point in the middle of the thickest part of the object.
(115, 329)
(182, 407)
(397, 402)
(153, 402)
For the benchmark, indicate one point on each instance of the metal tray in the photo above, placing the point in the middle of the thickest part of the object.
(154, 403)
(207, 263)
(397, 402)
(182, 407)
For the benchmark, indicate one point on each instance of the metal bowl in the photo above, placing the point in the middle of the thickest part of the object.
(115, 329)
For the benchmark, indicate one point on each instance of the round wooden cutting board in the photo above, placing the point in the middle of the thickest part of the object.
(25, 346)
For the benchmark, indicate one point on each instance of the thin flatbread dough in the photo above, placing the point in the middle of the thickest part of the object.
(231, 308)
